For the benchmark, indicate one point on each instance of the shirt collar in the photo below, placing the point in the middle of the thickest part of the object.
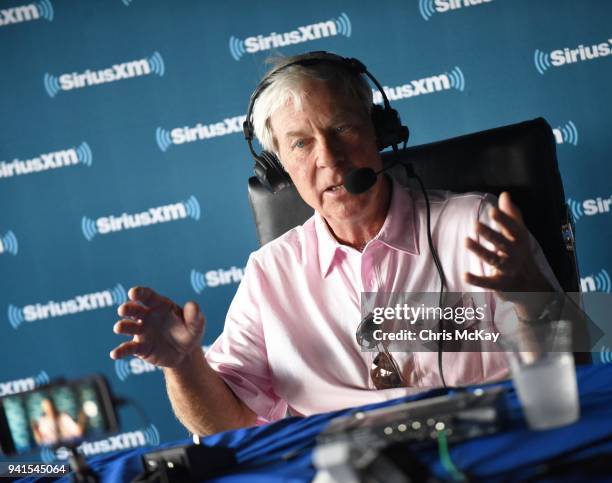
(399, 231)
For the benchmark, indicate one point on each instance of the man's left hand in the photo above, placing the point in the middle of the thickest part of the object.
(515, 269)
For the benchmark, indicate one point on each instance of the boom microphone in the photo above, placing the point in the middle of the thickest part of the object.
(361, 180)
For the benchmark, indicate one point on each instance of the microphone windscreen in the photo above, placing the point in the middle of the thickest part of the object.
(359, 180)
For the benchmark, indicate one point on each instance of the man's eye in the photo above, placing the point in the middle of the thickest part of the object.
(343, 128)
(299, 144)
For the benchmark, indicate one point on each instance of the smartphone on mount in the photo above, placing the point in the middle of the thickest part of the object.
(58, 414)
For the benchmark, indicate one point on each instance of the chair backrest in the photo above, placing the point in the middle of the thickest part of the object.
(520, 158)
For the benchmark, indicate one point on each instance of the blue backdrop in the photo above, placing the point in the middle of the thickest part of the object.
(122, 160)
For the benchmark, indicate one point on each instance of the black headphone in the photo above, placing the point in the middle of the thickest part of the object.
(387, 124)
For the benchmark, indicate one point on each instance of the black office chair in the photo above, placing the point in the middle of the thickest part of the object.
(520, 158)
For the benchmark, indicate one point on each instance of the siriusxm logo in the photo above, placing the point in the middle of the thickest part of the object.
(127, 70)
(134, 366)
(567, 134)
(605, 355)
(589, 207)
(137, 367)
(215, 278)
(57, 159)
(557, 58)
(306, 33)
(429, 7)
(428, 85)
(25, 384)
(153, 216)
(78, 304)
(599, 282)
(8, 243)
(199, 132)
(26, 13)
(148, 436)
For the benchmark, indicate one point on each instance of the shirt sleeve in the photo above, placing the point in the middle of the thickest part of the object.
(239, 354)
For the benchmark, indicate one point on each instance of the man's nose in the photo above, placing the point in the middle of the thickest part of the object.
(330, 152)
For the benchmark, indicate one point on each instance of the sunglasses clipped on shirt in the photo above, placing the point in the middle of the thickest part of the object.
(385, 372)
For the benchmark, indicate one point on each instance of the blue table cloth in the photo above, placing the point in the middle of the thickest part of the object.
(282, 451)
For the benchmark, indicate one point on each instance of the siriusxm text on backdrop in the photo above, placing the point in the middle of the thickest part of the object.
(62, 158)
(152, 216)
(428, 8)
(74, 305)
(188, 134)
(568, 55)
(137, 367)
(566, 134)
(9, 243)
(589, 207)
(153, 64)
(23, 384)
(305, 33)
(42, 9)
(597, 282)
(453, 79)
(215, 278)
(147, 436)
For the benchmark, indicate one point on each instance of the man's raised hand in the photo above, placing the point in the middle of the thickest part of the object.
(515, 267)
(162, 333)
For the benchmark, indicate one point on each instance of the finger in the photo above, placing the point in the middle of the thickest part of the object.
(147, 296)
(128, 348)
(133, 309)
(191, 310)
(507, 206)
(128, 327)
(511, 228)
(500, 241)
(489, 257)
(177, 310)
(193, 316)
(491, 283)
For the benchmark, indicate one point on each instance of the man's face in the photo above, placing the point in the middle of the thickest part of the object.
(319, 144)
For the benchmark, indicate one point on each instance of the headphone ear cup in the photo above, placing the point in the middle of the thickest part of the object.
(270, 172)
(388, 127)
(378, 121)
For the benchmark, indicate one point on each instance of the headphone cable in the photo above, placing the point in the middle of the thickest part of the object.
(434, 254)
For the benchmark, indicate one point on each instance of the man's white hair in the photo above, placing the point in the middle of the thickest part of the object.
(287, 85)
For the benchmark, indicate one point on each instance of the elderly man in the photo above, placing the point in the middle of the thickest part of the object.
(289, 337)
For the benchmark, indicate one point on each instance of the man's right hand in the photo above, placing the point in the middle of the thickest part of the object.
(163, 333)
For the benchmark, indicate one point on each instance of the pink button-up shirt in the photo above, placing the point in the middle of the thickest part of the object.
(289, 337)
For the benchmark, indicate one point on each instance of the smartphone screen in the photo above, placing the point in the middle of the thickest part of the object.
(57, 414)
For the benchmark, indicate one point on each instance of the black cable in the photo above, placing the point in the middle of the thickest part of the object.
(434, 254)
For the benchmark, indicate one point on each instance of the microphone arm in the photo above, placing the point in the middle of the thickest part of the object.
(361, 180)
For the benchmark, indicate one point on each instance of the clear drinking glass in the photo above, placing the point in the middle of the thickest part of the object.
(544, 374)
